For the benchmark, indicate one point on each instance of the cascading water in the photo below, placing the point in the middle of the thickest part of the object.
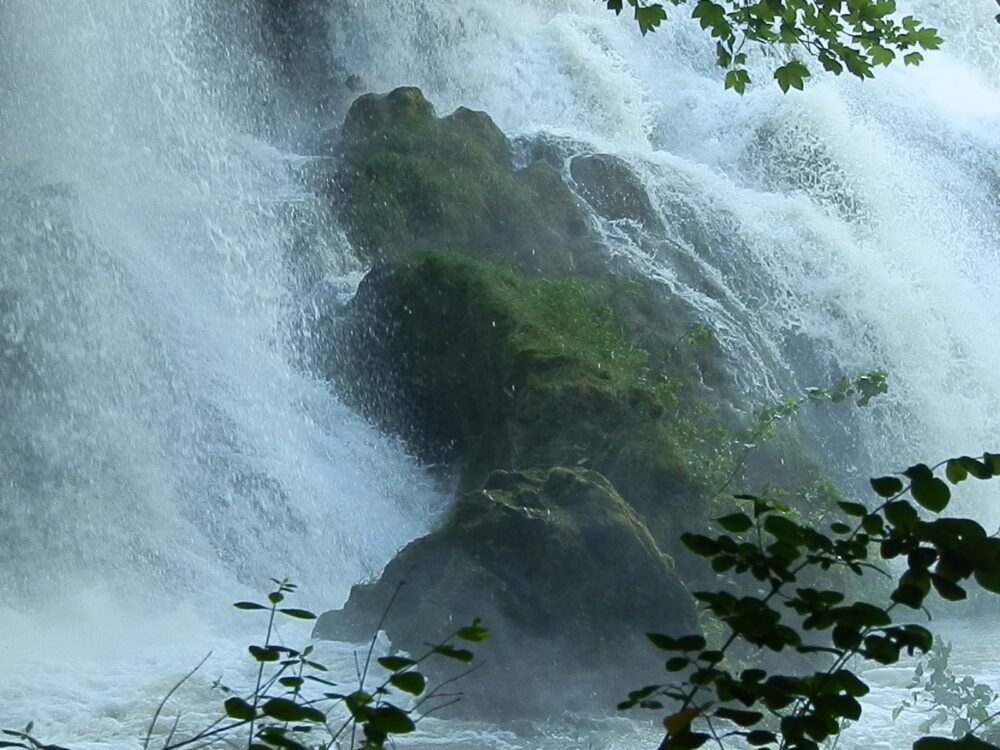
(162, 450)
(162, 456)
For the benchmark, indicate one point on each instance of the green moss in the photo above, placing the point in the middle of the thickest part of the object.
(488, 368)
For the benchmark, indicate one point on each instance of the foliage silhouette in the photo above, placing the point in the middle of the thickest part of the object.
(796, 711)
(855, 36)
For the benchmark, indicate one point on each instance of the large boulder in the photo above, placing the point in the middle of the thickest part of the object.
(563, 573)
(481, 368)
(407, 180)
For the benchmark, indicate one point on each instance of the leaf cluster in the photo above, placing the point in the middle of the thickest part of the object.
(854, 36)
(939, 555)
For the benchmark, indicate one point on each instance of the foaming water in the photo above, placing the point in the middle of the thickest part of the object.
(162, 456)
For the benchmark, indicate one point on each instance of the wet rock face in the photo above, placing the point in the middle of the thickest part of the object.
(480, 368)
(563, 573)
(408, 180)
(614, 190)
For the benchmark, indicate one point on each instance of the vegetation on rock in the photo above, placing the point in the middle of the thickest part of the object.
(484, 368)
(408, 180)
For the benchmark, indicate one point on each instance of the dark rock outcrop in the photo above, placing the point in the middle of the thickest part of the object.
(563, 573)
(482, 368)
(409, 180)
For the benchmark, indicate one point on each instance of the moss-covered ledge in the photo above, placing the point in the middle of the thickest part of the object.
(481, 368)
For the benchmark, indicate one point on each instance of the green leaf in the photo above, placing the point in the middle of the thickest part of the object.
(853, 509)
(663, 642)
(900, 513)
(649, 17)
(301, 614)
(677, 663)
(713, 16)
(881, 55)
(932, 494)
(249, 605)
(872, 524)
(409, 682)
(989, 580)
(390, 720)
(737, 80)
(908, 594)
(947, 589)
(936, 743)
(791, 75)
(700, 545)
(691, 643)
(276, 736)
(955, 471)
(887, 486)
(978, 469)
(283, 709)
(473, 633)
(275, 597)
(239, 709)
(395, 663)
(761, 737)
(736, 523)
(450, 652)
(783, 529)
(264, 654)
(928, 39)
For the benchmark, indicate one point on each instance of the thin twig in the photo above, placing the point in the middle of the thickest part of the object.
(159, 708)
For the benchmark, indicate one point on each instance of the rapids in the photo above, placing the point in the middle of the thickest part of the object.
(164, 449)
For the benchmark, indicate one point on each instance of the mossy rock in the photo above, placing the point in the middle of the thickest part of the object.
(483, 368)
(563, 573)
(408, 180)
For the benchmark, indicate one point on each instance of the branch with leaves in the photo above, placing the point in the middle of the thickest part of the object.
(854, 36)
(793, 613)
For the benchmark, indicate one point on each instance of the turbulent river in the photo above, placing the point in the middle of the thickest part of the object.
(164, 449)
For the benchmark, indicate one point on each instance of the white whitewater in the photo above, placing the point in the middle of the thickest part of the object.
(162, 453)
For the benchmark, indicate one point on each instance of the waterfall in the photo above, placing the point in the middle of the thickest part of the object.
(164, 450)
(163, 454)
